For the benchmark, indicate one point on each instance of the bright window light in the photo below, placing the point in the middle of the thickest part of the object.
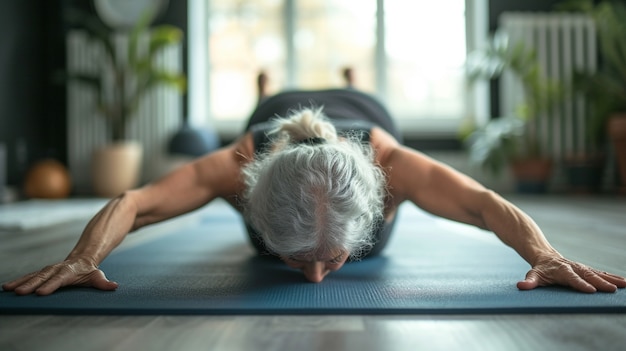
(410, 54)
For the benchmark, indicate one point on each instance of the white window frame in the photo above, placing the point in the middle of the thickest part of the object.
(477, 100)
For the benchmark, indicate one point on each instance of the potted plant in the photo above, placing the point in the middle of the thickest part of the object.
(512, 140)
(606, 88)
(119, 86)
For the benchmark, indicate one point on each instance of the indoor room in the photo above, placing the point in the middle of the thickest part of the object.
(313, 174)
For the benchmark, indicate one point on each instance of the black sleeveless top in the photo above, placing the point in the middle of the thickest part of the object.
(338, 105)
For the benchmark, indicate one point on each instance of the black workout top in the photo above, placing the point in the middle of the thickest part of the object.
(338, 104)
(360, 128)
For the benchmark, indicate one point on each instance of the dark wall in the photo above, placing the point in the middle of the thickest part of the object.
(24, 60)
(496, 7)
(33, 109)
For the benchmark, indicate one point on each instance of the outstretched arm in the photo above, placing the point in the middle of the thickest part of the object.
(185, 189)
(445, 192)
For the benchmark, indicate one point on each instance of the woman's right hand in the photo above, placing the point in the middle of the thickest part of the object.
(71, 272)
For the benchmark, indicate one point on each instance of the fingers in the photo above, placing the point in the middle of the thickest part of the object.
(581, 283)
(31, 282)
(531, 281)
(66, 277)
(62, 277)
(555, 275)
(10, 286)
(600, 280)
(560, 271)
(99, 281)
(51, 278)
(618, 281)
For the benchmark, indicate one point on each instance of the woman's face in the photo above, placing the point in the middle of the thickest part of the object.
(314, 267)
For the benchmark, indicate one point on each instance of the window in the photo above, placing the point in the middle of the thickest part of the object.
(410, 54)
(244, 37)
(425, 53)
(330, 35)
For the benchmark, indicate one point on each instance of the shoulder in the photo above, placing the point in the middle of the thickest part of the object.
(407, 170)
(243, 148)
(390, 153)
(221, 170)
(237, 153)
(384, 145)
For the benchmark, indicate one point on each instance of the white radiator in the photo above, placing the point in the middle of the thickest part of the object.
(564, 43)
(158, 116)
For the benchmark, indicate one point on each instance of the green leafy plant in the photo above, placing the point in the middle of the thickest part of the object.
(123, 80)
(605, 88)
(503, 139)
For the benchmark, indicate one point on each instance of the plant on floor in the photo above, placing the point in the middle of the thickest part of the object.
(605, 88)
(124, 75)
(503, 140)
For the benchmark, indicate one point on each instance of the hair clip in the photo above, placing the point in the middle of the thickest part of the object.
(312, 141)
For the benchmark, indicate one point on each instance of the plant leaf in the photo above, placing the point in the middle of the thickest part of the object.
(163, 36)
(135, 35)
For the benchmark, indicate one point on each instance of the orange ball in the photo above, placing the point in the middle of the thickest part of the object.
(47, 179)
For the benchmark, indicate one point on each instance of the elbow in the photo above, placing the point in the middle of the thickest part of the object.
(486, 202)
(128, 200)
(128, 203)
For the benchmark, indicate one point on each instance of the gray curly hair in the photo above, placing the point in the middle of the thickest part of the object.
(305, 198)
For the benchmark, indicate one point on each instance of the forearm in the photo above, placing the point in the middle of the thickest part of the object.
(106, 230)
(515, 228)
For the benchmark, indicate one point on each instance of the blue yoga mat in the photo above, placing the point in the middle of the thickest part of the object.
(431, 266)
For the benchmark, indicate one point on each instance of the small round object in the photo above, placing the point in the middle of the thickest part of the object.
(47, 179)
(124, 14)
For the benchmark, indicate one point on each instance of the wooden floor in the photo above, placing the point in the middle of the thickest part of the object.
(591, 230)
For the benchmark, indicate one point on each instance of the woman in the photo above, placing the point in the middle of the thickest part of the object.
(315, 192)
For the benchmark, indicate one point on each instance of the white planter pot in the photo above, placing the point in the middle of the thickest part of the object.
(116, 168)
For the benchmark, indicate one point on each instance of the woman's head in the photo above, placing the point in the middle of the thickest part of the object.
(314, 194)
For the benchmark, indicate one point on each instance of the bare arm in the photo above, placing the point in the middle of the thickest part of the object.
(185, 189)
(445, 192)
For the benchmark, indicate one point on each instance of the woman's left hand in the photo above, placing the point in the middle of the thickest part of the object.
(551, 270)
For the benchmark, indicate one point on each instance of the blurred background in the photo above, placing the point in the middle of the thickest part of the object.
(412, 55)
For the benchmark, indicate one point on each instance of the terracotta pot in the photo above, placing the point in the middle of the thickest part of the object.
(532, 174)
(616, 130)
(116, 168)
